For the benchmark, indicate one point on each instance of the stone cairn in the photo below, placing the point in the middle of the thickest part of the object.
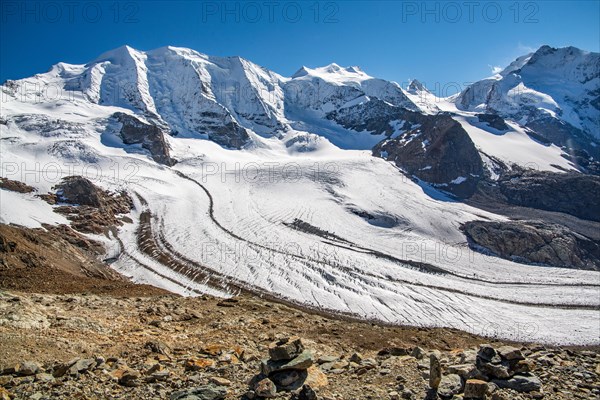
(504, 368)
(289, 368)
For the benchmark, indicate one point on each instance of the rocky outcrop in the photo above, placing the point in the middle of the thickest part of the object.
(534, 242)
(493, 120)
(551, 130)
(81, 191)
(150, 136)
(89, 208)
(571, 193)
(15, 186)
(439, 151)
(224, 130)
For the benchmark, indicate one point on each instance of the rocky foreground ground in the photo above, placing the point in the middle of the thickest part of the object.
(91, 346)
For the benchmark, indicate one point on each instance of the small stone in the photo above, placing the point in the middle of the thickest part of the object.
(286, 349)
(327, 359)
(289, 379)
(5, 394)
(486, 352)
(408, 394)
(82, 366)
(27, 368)
(394, 395)
(307, 393)
(316, 378)
(266, 388)
(522, 366)
(356, 357)
(43, 377)
(510, 353)
(302, 362)
(5, 380)
(499, 371)
(213, 349)
(220, 381)
(158, 347)
(208, 392)
(475, 389)
(130, 378)
(418, 353)
(62, 369)
(197, 364)
(392, 351)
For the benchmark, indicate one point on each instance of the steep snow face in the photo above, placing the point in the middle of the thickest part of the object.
(123, 79)
(558, 83)
(193, 93)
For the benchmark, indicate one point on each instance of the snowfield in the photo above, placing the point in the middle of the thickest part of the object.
(307, 216)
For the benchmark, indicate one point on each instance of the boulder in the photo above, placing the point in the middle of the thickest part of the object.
(27, 368)
(450, 385)
(520, 383)
(435, 371)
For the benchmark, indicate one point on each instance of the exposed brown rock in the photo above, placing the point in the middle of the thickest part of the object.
(534, 242)
(15, 186)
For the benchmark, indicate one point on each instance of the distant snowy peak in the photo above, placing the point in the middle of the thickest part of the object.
(416, 87)
(333, 73)
(426, 101)
(553, 91)
(326, 90)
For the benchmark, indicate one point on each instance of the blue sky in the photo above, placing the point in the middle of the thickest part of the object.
(438, 43)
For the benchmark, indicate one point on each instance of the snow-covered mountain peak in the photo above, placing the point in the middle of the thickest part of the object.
(554, 91)
(415, 87)
(332, 73)
(515, 65)
(120, 56)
